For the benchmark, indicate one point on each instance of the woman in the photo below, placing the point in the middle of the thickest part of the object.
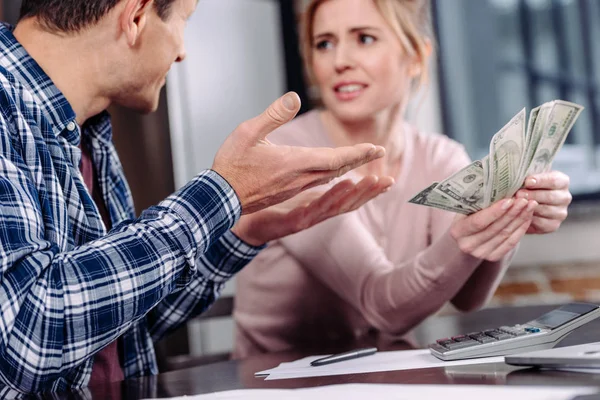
(385, 267)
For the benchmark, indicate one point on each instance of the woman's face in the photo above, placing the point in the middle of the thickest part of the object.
(358, 62)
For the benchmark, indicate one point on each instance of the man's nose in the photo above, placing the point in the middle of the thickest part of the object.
(181, 55)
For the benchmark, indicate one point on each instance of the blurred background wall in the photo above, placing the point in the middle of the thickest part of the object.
(495, 57)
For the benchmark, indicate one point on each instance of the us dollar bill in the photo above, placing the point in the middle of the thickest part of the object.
(506, 151)
(527, 140)
(535, 136)
(560, 121)
(428, 198)
(516, 151)
(465, 187)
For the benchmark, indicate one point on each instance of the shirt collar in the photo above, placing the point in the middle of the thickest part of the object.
(53, 104)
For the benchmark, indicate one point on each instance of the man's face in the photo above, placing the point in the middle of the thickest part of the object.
(159, 44)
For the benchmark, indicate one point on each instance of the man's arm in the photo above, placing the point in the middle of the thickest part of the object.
(59, 308)
(227, 256)
(63, 307)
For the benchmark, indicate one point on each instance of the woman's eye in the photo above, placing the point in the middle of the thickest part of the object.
(323, 45)
(366, 39)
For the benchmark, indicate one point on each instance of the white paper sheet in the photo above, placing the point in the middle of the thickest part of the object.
(402, 392)
(380, 361)
(594, 371)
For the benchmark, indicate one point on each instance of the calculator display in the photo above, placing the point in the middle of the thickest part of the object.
(561, 316)
(554, 319)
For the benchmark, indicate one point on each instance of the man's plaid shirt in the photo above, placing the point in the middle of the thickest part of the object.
(67, 287)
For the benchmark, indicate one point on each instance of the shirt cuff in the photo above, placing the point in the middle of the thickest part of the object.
(207, 204)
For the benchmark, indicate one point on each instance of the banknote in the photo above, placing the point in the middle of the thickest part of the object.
(465, 187)
(428, 198)
(506, 150)
(521, 148)
(559, 123)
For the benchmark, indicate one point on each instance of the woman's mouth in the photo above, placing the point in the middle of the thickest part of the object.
(348, 91)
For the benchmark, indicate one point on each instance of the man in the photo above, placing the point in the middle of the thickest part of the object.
(86, 288)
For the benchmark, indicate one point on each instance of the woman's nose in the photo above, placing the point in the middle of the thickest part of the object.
(343, 58)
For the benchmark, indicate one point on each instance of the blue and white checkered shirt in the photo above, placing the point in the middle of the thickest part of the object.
(67, 287)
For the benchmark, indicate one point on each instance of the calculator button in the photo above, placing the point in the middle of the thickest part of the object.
(533, 330)
(443, 342)
(438, 348)
(507, 329)
(498, 334)
(482, 338)
(461, 345)
(461, 338)
(520, 332)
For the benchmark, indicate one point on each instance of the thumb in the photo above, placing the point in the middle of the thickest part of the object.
(281, 111)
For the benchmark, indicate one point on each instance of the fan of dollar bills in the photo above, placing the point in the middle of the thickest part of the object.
(515, 153)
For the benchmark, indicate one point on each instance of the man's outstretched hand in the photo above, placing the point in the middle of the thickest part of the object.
(263, 174)
(308, 209)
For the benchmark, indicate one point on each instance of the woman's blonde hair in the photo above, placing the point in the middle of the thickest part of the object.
(410, 20)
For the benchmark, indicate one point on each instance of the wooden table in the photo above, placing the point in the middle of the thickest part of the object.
(231, 375)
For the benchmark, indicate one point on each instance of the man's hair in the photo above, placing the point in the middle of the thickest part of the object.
(73, 15)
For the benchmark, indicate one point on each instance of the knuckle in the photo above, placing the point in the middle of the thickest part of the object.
(466, 247)
(455, 233)
(478, 254)
(568, 197)
(512, 242)
(479, 224)
(563, 214)
(506, 232)
(276, 115)
(553, 226)
(245, 127)
(493, 257)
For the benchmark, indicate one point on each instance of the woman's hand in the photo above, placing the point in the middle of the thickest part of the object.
(492, 233)
(551, 191)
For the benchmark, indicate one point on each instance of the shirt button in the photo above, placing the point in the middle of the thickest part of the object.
(71, 126)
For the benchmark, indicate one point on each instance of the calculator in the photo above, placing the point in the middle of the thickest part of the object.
(541, 333)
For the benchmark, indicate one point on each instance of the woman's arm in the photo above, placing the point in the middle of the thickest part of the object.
(484, 280)
(344, 256)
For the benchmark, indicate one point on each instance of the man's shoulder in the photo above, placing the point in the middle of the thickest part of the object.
(18, 111)
(13, 95)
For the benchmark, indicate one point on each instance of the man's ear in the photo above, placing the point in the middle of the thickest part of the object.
(134, 17)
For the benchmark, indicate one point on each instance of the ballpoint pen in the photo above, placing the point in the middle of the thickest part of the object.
(349, 355)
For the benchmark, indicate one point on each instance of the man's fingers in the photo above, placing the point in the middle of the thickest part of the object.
(548, 180)
(278, 113)
(549, 197)
(337, 161)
